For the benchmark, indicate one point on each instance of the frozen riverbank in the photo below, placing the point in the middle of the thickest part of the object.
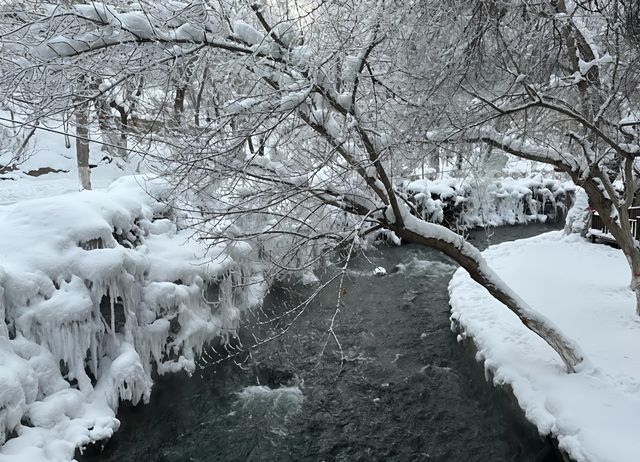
(404, 393)
(99, 290)
(582, 287)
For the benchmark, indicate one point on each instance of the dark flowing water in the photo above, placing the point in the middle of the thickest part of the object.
(406, 391)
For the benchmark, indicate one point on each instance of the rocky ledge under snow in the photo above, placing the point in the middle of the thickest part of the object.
(467, 202)
(99, 289)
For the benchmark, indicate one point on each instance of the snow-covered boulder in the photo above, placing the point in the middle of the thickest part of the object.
(98, 291)
(578, 215)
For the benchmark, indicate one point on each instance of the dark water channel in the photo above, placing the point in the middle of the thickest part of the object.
(406, 392)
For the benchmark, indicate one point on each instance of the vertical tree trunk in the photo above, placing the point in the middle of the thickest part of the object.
(65, 125)
(203, 82)
(182, 85)
(82, 145)
(178, 104)
(434, 161)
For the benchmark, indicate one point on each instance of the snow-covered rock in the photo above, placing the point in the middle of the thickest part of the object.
(98, 290)
(379, 271)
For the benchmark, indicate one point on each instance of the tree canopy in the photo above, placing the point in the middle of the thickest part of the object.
(289, 124)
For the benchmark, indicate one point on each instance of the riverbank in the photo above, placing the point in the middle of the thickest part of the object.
(99, 293)
(403, 393)
(583, 288)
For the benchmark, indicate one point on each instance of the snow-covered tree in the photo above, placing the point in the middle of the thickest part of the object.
(314, 109)
(555, 82)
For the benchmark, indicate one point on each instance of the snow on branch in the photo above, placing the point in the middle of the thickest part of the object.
(518, 146)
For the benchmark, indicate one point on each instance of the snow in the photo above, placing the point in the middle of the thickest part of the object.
(287, 33)
(190, 33)
(247, 33)
(578, 214)
(138, 24)
(97, 291)
(514, 143)
(350, 68)
(583, 289)
(379, 271)
(585, 67)
(433, 231)
(526, 194)
(96, 11)
(290, 101)
(46, 151)
(309, 278)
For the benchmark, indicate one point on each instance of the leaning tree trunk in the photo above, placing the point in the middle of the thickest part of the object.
(626, 240)
(82, 145)
(470, 258)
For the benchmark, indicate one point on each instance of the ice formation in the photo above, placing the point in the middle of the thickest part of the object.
(467, 202)
(98, 290)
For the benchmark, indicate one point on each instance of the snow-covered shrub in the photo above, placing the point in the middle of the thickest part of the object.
(434, 199)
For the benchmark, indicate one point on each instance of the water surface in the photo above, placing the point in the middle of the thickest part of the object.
(399, 387)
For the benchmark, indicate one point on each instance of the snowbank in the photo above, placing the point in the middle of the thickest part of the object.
(469, 202)
(97, 290)
(47, 168)
(583, 288)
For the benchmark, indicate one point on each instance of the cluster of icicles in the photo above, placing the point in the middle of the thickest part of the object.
(97, 291)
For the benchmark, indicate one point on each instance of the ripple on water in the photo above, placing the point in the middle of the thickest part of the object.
(281, 401)
(419, 267)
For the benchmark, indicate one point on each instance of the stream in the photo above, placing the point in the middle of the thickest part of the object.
(399, 389)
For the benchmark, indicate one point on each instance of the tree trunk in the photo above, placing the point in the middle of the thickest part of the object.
(634, 263)
(178, 104)
(626, 241)
(620, 230)
(198, 104)
(82, 145)
(65, 125)
(469, 257)
(123, 126)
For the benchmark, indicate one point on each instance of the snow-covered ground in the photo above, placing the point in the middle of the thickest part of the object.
(584, 289)
(50, 169)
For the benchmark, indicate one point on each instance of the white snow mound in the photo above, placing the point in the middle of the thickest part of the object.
(97, 290)
(584, 289)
